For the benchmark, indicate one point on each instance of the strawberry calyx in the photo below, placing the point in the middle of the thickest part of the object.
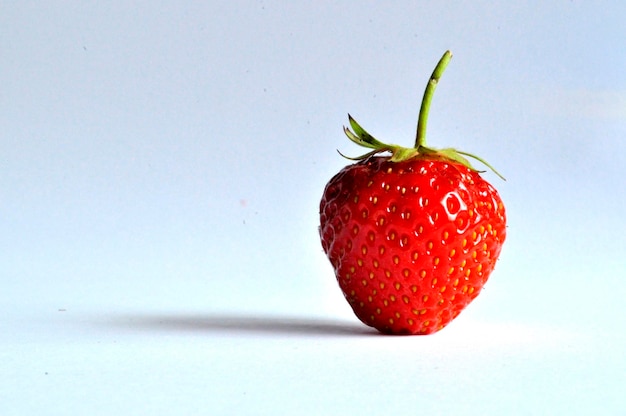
(361, 137)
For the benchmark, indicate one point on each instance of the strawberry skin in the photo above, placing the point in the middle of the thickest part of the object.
(412, 242)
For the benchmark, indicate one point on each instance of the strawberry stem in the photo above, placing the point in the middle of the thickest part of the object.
(398, 153)
(422, 120)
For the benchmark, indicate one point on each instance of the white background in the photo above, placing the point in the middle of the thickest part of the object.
(161, 165)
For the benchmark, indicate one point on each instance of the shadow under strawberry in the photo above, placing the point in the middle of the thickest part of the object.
(227, 323)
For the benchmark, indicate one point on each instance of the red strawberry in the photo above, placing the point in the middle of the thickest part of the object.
(414, 236)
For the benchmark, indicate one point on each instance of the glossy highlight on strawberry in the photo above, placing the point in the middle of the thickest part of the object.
(412, 236)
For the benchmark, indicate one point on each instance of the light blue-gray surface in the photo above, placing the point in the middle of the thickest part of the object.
(161, 165)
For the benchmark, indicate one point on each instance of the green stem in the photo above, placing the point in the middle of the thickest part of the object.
(422, 120)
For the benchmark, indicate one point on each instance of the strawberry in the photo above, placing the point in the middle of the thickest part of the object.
(412, 235)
